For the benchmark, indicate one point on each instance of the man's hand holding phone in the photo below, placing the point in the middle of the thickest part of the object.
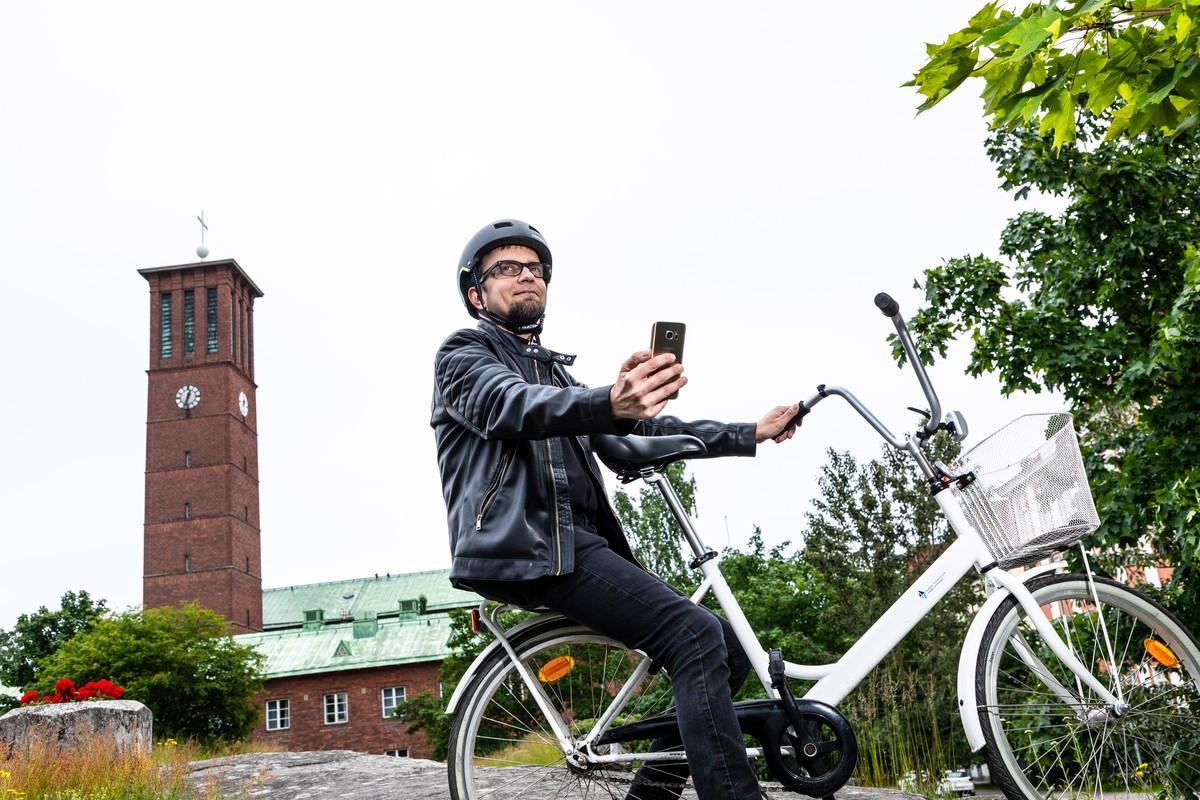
(644, 385)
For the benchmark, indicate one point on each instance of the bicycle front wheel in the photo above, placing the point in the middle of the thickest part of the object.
(502, 746)
(1049, 735)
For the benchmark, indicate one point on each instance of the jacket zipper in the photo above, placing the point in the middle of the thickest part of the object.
(553, 487)
(492, 489)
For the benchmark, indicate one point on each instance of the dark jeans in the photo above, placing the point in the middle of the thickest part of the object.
(697, 648)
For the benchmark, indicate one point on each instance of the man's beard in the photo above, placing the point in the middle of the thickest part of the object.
(526, 312)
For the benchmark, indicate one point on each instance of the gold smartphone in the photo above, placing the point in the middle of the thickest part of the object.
(667, 337)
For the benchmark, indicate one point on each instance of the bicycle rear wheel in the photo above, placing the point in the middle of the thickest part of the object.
(1049, 735)
(502, 746)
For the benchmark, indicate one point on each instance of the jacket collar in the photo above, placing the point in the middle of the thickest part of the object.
(533, 349)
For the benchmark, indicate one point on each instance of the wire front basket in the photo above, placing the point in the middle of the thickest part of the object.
(1031, 494)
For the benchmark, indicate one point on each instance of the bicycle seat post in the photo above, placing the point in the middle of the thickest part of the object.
(660, 481)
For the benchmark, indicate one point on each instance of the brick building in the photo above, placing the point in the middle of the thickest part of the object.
(339, 655)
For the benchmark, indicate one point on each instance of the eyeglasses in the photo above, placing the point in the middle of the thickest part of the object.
(511, 269)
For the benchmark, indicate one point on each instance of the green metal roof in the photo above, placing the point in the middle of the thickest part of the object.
(11, 691)
(360, 597)
(331, 648)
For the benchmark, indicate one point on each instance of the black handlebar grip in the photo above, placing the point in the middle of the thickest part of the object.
(885, 303)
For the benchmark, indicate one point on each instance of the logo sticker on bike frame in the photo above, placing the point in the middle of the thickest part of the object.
(924, 593)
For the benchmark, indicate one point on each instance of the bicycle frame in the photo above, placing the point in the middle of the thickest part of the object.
(833, 682)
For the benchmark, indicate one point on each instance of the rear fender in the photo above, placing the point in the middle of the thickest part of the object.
(968, 659)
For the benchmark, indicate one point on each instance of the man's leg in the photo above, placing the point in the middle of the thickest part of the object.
(665, 780)
(616, 598)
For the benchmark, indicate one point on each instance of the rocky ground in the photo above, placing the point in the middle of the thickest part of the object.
(355, 776)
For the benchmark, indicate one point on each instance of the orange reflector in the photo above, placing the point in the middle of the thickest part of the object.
(1161, 653)
(556, 669)
(474, 620)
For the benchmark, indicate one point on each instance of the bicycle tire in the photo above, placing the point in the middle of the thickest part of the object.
(495, 727)
(1039, 745)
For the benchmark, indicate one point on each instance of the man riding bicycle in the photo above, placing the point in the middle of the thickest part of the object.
(529, 519)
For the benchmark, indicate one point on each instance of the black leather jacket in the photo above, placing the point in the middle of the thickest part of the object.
(500, 405)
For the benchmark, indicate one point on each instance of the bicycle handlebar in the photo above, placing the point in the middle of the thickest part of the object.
(885, 303)
(891, 309)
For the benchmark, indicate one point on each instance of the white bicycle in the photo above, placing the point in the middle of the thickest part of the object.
(1074, 685)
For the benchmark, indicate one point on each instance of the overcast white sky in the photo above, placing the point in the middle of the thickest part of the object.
(752, 169)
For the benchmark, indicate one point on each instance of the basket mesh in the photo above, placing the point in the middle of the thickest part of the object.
(1031, 495)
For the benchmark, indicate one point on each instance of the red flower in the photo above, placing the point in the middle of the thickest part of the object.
(65, 686)
(86, 693)
(29, 697)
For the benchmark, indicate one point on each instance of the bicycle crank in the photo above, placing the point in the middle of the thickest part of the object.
(811, 748)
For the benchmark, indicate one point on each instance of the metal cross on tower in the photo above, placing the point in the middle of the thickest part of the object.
(202, 250)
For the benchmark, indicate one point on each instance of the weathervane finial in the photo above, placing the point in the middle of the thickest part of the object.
(202, 250)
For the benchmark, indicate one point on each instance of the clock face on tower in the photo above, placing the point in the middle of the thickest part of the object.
(188, 397)
(243, 404)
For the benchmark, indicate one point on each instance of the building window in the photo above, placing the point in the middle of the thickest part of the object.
(400, 752)
(247, 567)
(233, 327)
(187, 562)
(187, 458)
(187, 510)
(392, 697)
(189, 322)
(211, 320)
(165, 324)
(337, 708)
(279, 715)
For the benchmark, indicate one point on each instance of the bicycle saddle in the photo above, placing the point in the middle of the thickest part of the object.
(628, 455)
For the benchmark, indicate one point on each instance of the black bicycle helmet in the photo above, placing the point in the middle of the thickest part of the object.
(498, 234)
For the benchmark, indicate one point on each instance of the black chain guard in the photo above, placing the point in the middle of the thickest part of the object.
(823, 755)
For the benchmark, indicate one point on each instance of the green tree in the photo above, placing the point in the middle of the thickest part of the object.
(1131, 63)
(1100, 302)
(654, 535)
(180, 662)
(789, 602)
(38, 635)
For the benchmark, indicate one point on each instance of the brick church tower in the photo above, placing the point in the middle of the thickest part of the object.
(201, 540)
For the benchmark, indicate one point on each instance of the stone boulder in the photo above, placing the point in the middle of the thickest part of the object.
(127, 723)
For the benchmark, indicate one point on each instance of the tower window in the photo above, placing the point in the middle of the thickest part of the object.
(233, 325)
(246, 513)
(165, 323)
(187, 510)
(187, 562)
(189, 322)
(187, 458)
(211, 320)
(247, 569)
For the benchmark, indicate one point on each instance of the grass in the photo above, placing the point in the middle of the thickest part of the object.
(896, 715)
(42, 771)
(529, 750)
